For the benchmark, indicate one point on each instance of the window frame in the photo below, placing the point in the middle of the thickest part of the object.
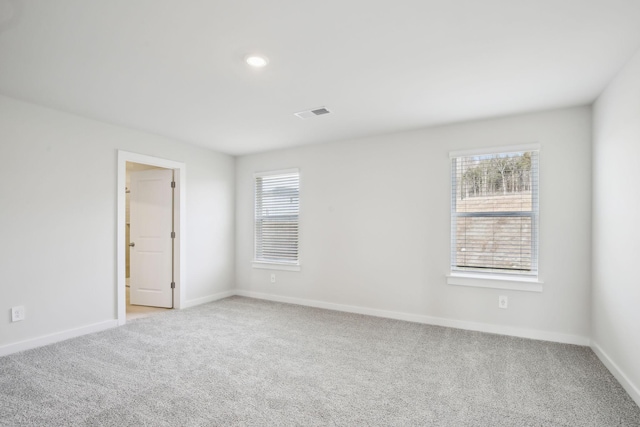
(495, 278)
(274, 264)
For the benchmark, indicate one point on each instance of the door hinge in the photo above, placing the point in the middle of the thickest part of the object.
(173, 184)
(173, 285)
(173, 234)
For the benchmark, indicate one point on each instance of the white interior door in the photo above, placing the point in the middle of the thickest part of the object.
(151, 218)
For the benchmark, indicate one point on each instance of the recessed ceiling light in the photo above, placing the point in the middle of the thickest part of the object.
(256, 61)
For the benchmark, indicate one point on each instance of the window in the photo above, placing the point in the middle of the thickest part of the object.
(277, 205)
(494, 212)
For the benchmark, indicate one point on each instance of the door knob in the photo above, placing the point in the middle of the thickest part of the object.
(132, 244)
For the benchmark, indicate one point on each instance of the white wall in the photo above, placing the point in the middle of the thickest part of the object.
(616, 229)
(375, 227)
(58, 218)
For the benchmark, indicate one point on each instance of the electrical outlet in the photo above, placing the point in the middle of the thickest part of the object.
(503, 301)
(17, 313)
(273, 277)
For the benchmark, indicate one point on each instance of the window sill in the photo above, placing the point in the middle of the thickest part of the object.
(276, 266)
(516, 283)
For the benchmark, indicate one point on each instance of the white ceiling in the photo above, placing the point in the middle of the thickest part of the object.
(175, 67)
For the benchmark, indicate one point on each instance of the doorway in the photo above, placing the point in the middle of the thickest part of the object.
(148, 176)
(148, 240)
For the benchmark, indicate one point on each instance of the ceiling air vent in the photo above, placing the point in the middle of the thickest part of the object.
(312, 113)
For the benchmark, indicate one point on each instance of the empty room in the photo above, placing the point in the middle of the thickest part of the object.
(293, 213)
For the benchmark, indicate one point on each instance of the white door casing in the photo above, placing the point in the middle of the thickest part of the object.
(151, 219)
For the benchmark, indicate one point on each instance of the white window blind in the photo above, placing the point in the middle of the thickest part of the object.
(494, 213)
(277, 205)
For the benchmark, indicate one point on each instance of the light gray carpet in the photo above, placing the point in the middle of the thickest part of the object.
(242, 361)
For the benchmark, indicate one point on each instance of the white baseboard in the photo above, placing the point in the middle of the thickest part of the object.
(56, 337)
(429, 320)
(96, 327)
(623, 379)
(417, 318)
(208, 298)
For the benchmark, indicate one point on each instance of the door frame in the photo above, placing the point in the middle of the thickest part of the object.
(180, 227)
